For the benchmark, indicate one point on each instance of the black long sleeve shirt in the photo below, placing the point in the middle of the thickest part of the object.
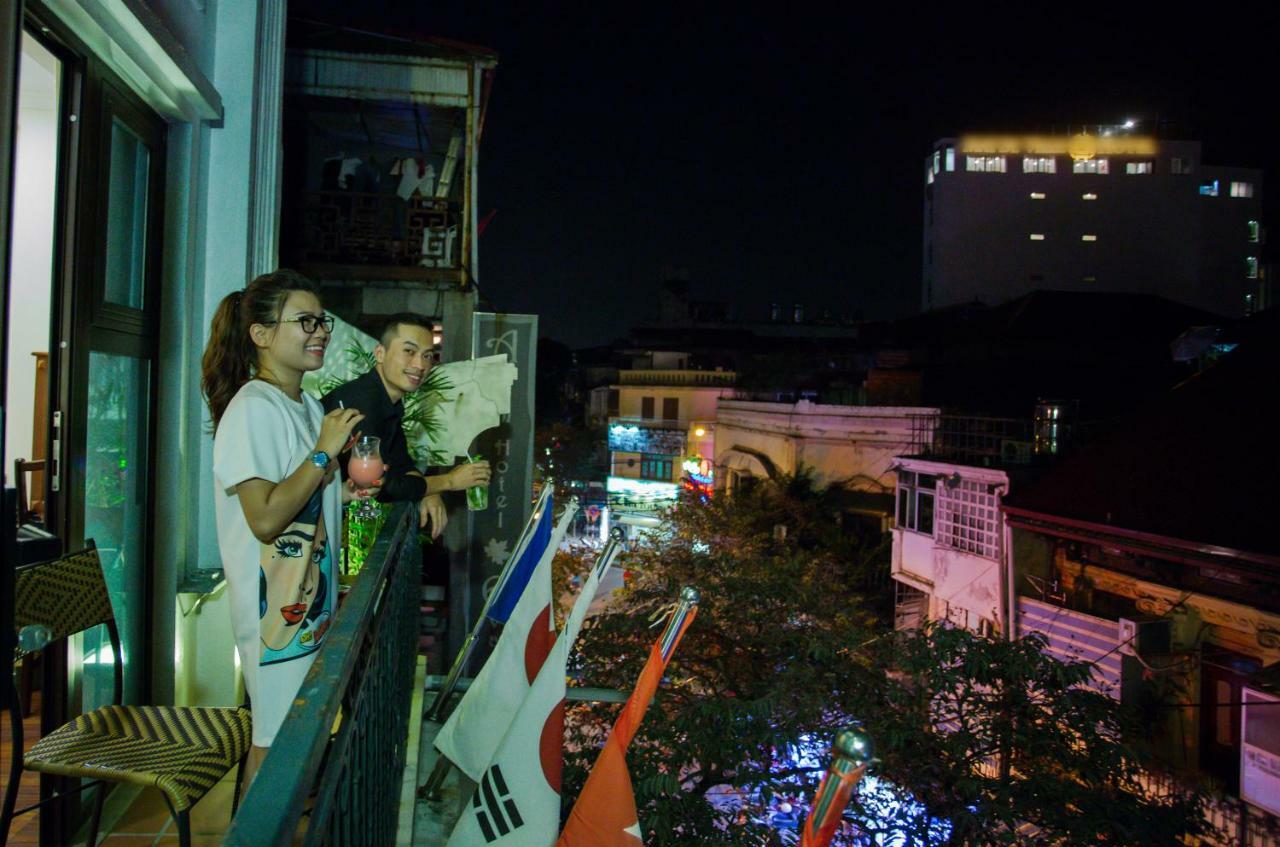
(383, 419)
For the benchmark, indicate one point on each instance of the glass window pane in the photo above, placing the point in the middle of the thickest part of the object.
(925, 517)
(126, 218)
(115, 516)
(1262, 728)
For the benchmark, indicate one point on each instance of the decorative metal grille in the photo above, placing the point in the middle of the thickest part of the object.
(967, 518)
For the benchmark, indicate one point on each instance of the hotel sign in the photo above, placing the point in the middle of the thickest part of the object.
(1081, 146)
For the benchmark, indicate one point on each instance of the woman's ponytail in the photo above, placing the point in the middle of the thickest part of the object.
(231, 358)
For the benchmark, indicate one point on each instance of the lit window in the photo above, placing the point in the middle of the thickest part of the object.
(967, 517)
(951, 158)
(1179, 165)
(1209, 188)
(1251, 267)
(1248, 304)
(654, 466)
(1088, 238)
(928, 176)
(1037, 195)
(1039, 165)
(1091, 166)
(1138, 168)
(1089, 279)
(985, 164)
(1088, 196)
(1242, 189)
(1037, 236)
(915, 501)
(937, 161)
(1255, 232)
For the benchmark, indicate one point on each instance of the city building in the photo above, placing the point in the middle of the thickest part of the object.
(850, 447)
(1149, 553)
(1110, 209)
(661, 423)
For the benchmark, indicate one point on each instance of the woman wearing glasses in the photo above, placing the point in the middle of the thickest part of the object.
(278, 493)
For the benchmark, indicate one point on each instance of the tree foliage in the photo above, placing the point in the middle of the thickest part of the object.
(996, 738)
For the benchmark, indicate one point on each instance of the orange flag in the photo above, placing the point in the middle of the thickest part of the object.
(605, 812)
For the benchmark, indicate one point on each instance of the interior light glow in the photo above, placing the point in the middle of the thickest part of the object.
(1037, 236)
(1037, 195)
(1089, 196)
(699, 432)
(1088, 238)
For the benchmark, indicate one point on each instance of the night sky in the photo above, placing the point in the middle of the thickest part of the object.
(781, 158)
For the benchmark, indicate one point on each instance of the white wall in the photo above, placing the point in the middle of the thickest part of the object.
(31, 263)
(957, 582)
(696, 403)
(854, 445)
(209, 189)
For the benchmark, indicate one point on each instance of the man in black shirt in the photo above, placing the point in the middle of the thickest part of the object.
(403, 357)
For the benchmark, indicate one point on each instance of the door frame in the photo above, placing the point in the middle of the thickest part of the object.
(92, 96)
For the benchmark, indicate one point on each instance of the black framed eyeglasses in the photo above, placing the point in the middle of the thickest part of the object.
(310, 323)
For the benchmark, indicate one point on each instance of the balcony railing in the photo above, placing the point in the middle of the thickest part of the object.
(676, 377)
(364, 675)
(359, 228)
(1232, 823)
(973, 440)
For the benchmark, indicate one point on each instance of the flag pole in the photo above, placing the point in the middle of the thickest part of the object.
(430, 790)
(436, 712)
(850, 754)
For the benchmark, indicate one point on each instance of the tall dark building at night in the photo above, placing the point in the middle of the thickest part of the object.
(1107, 211)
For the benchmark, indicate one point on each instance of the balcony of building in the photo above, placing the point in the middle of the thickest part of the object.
(380, 139)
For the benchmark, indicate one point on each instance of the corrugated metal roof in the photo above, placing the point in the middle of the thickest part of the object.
(371, 76)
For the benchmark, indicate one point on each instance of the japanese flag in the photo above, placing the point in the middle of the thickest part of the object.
(470, 736)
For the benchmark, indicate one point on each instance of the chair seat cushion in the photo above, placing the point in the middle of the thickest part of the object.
(181, 751)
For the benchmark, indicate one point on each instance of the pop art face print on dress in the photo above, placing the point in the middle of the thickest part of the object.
(293, 587)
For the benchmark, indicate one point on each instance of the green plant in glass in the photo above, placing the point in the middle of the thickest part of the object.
(360, 534)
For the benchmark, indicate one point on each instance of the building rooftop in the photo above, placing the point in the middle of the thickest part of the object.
(1196, 466)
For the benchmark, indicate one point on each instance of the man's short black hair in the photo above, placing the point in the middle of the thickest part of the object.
(393, 323)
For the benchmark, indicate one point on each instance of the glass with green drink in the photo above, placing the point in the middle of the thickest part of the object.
(477, 495)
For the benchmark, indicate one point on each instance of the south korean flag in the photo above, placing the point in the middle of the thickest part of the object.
(517, 801)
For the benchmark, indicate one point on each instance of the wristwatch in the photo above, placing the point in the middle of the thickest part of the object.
(320, 459)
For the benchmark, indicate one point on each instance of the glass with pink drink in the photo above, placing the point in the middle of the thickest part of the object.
(364, 469)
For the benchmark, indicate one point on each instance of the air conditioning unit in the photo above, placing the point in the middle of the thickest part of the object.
(1145, 637)
(1015, 452)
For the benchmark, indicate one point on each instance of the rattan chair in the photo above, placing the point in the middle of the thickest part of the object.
(182, 752)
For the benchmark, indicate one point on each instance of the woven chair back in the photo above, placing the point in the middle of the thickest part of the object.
(68, 594)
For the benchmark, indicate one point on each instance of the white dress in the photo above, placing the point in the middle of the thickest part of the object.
(283, 595)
